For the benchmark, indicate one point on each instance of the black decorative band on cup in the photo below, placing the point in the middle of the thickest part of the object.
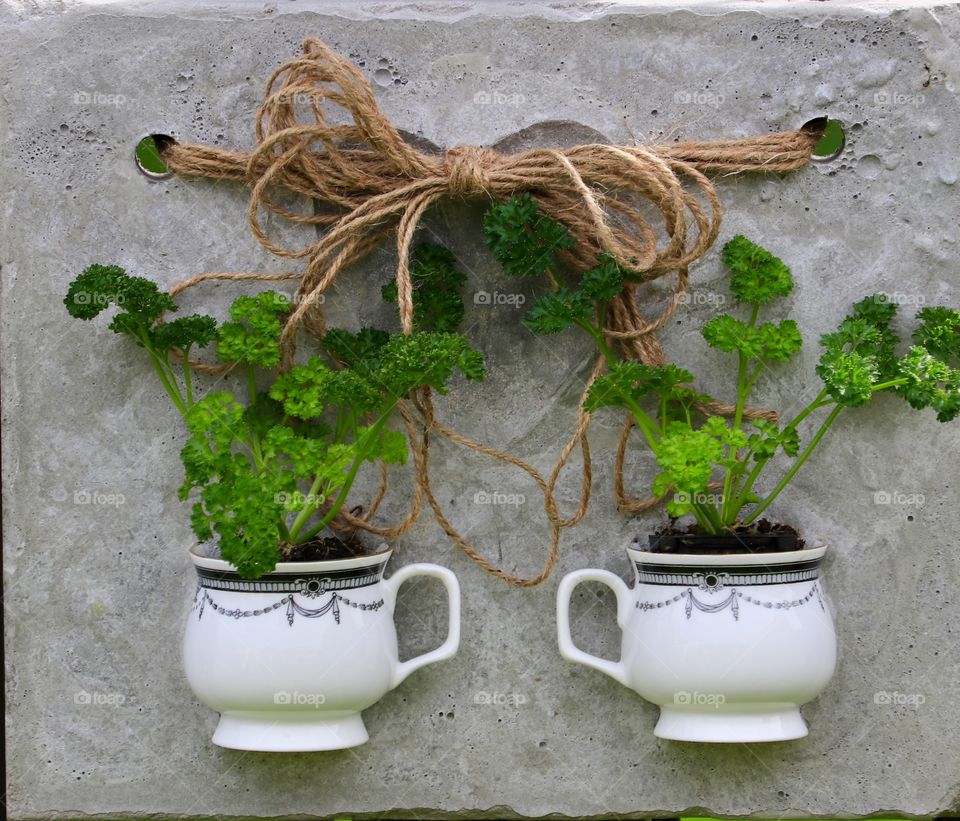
(309, 584)
(717, 578)
(732, 601)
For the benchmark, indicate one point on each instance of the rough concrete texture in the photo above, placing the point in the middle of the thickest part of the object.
(100, 721)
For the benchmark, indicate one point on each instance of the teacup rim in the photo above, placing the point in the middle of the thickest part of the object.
(805, 554)
(295, 568)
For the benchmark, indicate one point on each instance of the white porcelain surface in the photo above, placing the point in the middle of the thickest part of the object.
(726, 661)
(296, 677)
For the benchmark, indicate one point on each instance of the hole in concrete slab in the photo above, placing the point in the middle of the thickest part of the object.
(149, 159)
(831, 142)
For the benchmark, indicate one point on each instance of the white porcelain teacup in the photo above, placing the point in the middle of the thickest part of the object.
(728, 646)
(291, 659)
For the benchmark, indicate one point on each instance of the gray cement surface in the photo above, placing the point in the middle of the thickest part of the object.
(100, 722)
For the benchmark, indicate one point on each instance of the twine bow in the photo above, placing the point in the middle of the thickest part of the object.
(370, 183)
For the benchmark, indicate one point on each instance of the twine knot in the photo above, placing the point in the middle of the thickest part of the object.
(467, 168)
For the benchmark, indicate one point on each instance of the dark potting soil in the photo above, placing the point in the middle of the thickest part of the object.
(326, 548)
(761, 537)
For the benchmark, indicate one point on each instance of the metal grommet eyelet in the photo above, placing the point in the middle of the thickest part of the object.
(148, 155)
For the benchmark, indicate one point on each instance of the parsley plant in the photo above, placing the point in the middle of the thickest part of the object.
(272, 468)
(695, 451)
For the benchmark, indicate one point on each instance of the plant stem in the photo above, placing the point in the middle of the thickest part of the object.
(308, 510)
(796, 465)
(648, 427)
(313, 531)
(702, 519)
(161, 367)
(751, 380)
(254, 438)
(743, 388)
(599, 338)
(892, 383)
(708, 517)
(760, 464)
(171, 389)
(187, 378)
(817, 402)
(362, 446)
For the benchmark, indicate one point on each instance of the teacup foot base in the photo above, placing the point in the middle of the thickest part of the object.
(729, 724)
(289, 732)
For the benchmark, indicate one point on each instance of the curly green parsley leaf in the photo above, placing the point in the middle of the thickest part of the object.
(758, 276)
(437, 301)
(524, 241)
(254, 334)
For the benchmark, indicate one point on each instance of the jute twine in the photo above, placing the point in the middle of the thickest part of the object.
(371, 184)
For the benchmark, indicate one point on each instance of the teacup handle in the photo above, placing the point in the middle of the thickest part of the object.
(449, 647)
(614, 669)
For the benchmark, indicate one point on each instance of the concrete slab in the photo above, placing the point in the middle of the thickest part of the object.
(100, 722)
